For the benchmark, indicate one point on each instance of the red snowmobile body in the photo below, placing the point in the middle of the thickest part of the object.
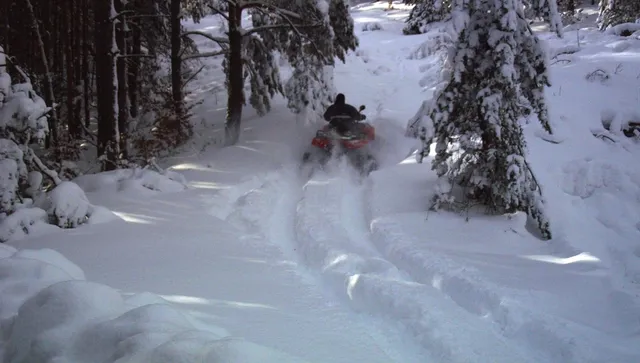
(357, 140)
(354, 144)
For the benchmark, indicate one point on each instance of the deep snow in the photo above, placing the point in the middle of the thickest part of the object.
(333, 268)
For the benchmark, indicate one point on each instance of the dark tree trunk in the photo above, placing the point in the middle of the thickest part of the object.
(123, 97)
(134, 69)
(235, 79)
(74, 127)
(86, 76)
(105, 84)
(176, 62)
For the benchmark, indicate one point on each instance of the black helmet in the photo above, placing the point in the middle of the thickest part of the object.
(340, 99)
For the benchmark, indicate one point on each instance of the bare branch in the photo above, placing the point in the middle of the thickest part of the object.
(121, 14)
(218, 40)
(135, 56)
(194, 75)
(218, 11)
(147, 16)
(204, 55)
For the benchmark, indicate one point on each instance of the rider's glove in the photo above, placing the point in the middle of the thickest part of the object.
(363, 117)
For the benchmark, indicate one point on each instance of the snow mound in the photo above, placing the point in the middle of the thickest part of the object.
(133, 181)
(65, 206)
(49, 313)
(371, 26)
(22, 222)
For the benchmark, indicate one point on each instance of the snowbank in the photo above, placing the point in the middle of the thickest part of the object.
(484, 289)
(134, 181)
(65, 206)
(49, 313)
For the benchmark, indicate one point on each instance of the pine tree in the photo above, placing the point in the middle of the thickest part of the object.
(614, 12)
(548, 11)
(424, 13)
(312, 52)
(498, 76)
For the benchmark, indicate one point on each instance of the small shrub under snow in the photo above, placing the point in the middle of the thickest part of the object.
(371, 26)
(137, 180)
(625, 29)
(50, 313)
(437, 42)
(67, 206)
(21, 223)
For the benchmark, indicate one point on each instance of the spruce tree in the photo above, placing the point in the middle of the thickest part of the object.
(497, 65)
(614, 12)
(424, 13)
(311, 54)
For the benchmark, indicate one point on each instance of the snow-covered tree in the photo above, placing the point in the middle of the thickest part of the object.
(23, 122)
(614, 12)
(498, 75)
(311, 55)
(545, 9)
(299, 30)
(424, 13)
(310, 89)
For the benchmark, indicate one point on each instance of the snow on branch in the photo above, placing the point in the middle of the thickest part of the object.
(204, 55)
(279, 26)
(218, 12)
(278, 10)
(219, 40)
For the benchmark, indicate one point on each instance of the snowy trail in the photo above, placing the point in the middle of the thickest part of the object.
(324, 224)
(222, 274)
(439, 308)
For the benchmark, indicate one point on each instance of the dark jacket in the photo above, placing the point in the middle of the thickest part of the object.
(342, 111)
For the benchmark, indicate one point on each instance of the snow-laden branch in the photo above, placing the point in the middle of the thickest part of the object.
(219, 40)
(194, 75)
(259, 4)
(219, 12)
(204, 55)
(294, 27)
(278, 26)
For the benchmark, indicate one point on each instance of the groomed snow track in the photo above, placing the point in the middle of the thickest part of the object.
(324, 224)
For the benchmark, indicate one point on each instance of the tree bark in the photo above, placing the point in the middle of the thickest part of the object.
(235, 79)
(121, 63)
(86, 76)
(134, 68)
(176, 63)
(105, 84)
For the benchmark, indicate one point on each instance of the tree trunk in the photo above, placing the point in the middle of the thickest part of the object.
(105, 84)
(123, 97)
(49, 95)
(72, 123)
(176, 63)
(134, 68)
(86, 76)
(235, 79)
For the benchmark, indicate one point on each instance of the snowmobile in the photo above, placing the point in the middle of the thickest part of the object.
(354, 144)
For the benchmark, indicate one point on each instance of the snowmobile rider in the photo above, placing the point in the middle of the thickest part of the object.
(342, 116)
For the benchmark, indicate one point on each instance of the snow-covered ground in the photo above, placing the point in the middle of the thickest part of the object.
(253, 262)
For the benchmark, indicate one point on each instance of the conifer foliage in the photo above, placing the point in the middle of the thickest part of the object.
(424, 13)
(614, 12)
(498, 75)
(310, 35)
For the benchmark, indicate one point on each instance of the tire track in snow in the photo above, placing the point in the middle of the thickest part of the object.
(333, 238)
(544, 336)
